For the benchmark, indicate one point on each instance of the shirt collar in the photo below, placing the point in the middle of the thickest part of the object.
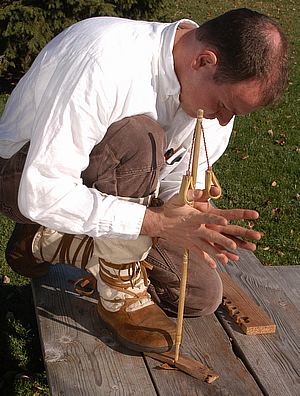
(169, 83)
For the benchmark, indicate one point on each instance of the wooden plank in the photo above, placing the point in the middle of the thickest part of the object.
(273, 359)
(244, 311)
(205, 341)
(81, 355)
(289, 278)
(83, 358)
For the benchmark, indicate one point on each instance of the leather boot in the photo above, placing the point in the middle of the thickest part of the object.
(19, 255)
(137, 321)
(124, 303)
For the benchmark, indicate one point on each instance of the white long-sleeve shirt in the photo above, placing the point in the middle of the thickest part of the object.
(93, 74)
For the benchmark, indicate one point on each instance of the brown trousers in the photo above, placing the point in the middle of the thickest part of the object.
(127, 163)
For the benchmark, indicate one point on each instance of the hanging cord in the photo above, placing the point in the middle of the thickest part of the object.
(205, 147)
(188, 172)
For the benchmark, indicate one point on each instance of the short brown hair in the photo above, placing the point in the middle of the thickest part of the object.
(244, 41)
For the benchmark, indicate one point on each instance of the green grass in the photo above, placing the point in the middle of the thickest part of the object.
(248, 171)
(22, 369)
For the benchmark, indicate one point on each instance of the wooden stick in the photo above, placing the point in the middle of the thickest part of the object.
(188, 181)
(185, 261)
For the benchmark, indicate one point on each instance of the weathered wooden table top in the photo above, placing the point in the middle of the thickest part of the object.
(83, 358)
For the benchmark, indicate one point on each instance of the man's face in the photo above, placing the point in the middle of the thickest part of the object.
(221, 101)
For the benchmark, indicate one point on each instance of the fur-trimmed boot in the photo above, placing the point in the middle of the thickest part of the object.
(126, 307)
(124, 303)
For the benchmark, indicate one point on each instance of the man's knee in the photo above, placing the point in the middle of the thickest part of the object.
(128, 160)
(138, 142)
(204, 286)
(201, 302)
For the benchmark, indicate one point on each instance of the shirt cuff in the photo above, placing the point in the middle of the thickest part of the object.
(123, 221)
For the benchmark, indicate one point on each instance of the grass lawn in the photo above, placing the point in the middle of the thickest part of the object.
(21, 369)
(260, 170)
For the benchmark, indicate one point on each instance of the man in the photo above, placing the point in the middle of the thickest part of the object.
(100, 125)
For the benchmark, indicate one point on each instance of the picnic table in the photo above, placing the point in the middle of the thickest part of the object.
(82, 356)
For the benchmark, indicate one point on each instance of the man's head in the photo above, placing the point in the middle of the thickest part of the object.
(238, 60)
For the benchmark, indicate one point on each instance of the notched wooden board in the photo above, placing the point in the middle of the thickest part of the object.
(244, 311)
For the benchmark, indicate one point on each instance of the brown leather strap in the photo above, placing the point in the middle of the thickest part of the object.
(63, 252)
(66, 242)
(56, 251)
(86, 285)
(136, 272)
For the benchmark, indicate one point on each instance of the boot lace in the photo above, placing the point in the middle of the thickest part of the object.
(136, 271)
(64, 250)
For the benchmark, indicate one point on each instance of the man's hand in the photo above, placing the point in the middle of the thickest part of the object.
(185, 226)
(202, 228)
(234, 232)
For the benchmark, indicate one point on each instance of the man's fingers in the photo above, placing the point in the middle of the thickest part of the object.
(196, 195)
(237, 231)
(204, 256)
(206, 238)
(237, 214)
(205, 218)
(230, 255)
(244, 244)
(201, 195)
(210, 258)
(221, 240)
(223, 258)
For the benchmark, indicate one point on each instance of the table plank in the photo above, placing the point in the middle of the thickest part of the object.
(273, 359)
(289, 278)
(83, 358)
(81, 355)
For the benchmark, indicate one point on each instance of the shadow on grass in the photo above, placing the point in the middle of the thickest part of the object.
(22, 370)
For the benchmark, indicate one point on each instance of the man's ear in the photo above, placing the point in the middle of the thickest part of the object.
(204, 58)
